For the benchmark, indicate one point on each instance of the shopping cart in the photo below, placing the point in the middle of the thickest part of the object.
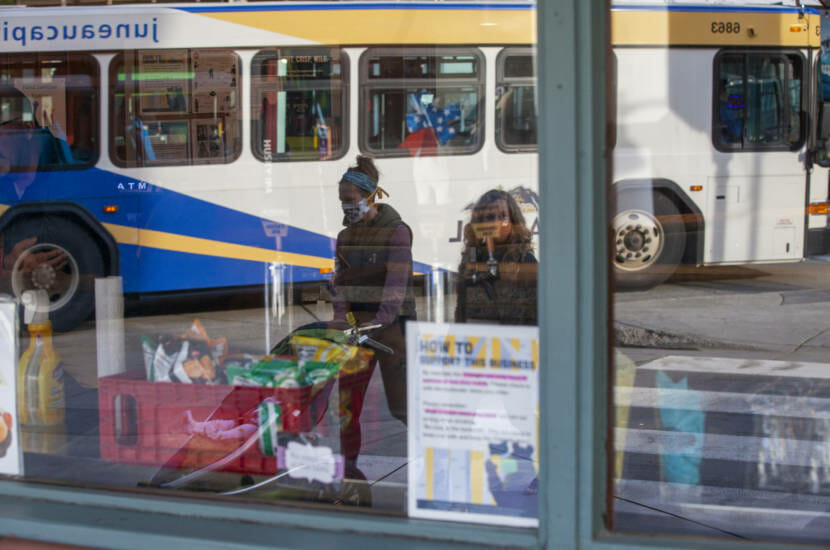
(327, 419)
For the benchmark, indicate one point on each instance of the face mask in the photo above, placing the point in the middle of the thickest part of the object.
(353, 213)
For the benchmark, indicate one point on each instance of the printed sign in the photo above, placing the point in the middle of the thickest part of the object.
(11, 457)
(473, 436)
(311, 463)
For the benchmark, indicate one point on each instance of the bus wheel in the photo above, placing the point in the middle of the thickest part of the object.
(649, 239)
(64, 261)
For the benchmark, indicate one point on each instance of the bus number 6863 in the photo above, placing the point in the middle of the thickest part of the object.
(722, 27)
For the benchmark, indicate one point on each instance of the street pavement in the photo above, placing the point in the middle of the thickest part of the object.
(722, 398)
(779, 309)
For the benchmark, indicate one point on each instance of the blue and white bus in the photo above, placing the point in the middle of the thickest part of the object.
(191, 146)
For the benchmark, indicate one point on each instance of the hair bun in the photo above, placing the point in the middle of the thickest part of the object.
(366, 165)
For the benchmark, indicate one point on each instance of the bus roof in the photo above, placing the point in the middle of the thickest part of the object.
(497, 22)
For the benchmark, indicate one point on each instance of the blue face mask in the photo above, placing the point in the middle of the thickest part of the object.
(353, 213)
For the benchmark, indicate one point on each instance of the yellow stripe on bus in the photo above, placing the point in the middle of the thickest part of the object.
(195, 245)
(345, 27)
(628, 27)
(714, 28)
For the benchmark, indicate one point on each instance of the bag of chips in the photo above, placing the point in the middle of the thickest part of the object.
(189, 358)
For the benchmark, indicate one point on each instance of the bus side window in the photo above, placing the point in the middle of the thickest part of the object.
(299, 104)
(516, 100)
(175, 107)
(48, 112)
(758, 101)
(421, 101)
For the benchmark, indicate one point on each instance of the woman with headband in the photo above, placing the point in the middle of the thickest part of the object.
(373, 280)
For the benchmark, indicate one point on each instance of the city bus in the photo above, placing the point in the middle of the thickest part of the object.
(718, 126)
(199, 146)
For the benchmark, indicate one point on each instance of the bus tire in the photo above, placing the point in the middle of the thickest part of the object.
(649, 239)
(70, 286)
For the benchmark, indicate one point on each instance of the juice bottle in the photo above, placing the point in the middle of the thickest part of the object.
(40, 391)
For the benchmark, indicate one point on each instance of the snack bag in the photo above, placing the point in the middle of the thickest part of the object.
(316, 349)
(198, 363)
(238, 375)
(234, 366)
(161, 358)
(290, 377)
(319, 373)
(280, 373)
(218, 348)
(191, 357)
(361, 360)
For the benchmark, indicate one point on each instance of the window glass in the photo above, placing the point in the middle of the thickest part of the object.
(175, 107)
(299, 104)
(48, 111)
(516, 101)
(758, 101)
(421, 104)
(720, 388)
(273, 316)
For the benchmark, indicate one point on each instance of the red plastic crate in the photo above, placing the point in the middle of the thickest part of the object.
(151, 428)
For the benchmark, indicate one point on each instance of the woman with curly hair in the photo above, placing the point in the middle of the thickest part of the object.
(497, 277)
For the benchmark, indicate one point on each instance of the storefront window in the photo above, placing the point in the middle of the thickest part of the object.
(294, 273)
(719, 265)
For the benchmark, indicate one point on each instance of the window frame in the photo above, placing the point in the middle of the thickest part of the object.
(575, 329)
(502, 80)
(96, 127)
(783, 53)
(111, 106)
(346, 67)
(366, 86)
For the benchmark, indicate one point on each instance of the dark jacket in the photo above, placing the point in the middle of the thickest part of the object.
(509, 299)
(373, 268)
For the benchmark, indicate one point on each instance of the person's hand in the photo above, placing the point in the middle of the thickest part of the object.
(11, 258)
(54, 258)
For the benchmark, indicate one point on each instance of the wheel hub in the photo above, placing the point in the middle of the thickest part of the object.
(60, 281)
(638, 240)
(635, 240)
(43, 277)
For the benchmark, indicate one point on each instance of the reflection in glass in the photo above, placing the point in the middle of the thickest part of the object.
(720, 382)
(301, 97)
(175, 107)
(221, 292)
(422, 105)
(48, 112)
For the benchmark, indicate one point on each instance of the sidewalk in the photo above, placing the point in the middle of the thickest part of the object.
(777, 319)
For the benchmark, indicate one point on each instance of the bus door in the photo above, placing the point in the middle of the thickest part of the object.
(759, 180)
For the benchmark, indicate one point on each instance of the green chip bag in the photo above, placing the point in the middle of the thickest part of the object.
(268, 419)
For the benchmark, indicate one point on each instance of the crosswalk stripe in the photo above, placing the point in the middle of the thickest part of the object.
(788, 452)
(739, 367)
(815, 408)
